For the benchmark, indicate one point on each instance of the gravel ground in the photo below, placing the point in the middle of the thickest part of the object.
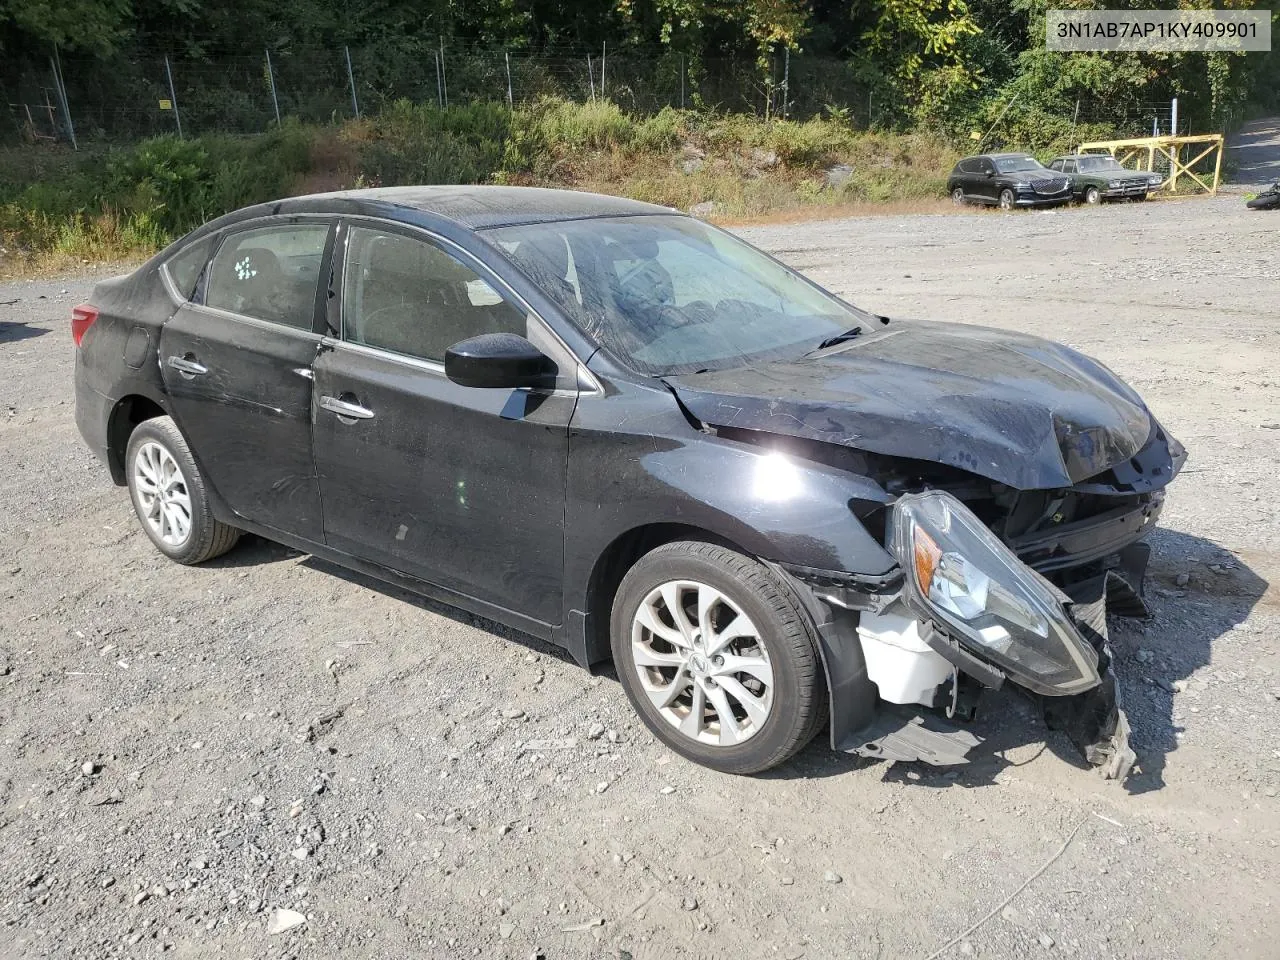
(186, 753)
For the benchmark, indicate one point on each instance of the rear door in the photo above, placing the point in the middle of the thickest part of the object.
(461, 487)
(237, 366)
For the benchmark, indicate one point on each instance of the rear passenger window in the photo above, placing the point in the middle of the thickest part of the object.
(410, 296)
(185, 266)
(269, 273)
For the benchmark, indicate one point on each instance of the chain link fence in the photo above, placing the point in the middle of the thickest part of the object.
(149, 93)
(154, 91)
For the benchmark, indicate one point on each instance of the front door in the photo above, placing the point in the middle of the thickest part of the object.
(237, 369)
(461, 487)
(984, 184)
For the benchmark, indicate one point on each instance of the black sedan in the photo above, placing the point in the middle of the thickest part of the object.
(1007, 180)
(1098, 176)
(622, 430)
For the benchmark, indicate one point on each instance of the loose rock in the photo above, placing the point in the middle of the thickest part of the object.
(282, 920)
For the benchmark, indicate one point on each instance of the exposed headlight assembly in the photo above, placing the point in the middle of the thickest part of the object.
(1112, 184)
(1004, 611)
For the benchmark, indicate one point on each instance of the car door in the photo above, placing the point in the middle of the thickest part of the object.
(461, 487)
(984, 182)
(236, 363)
(1068, 167)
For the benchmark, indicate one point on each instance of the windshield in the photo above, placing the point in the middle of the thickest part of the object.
(1099, 164)
(1017, 164)
(672, 295)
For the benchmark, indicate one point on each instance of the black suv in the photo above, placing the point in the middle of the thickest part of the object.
(1007, 180)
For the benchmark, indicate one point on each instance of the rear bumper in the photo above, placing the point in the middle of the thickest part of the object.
(93, 414)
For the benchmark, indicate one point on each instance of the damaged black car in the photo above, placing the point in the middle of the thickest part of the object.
(625, 431)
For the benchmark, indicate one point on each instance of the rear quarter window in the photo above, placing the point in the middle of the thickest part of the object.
(184, 267)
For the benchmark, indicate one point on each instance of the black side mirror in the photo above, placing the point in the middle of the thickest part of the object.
(499, 360)
(990, 173)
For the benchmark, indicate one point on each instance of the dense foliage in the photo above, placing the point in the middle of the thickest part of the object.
(952, 65)
(111, 202)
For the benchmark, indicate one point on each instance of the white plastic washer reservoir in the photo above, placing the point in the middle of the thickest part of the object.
(899, 662)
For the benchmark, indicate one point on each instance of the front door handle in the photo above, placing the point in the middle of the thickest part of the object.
(188, 366)
(345, 408)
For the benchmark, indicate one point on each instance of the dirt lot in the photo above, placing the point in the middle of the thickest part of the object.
(269, 732)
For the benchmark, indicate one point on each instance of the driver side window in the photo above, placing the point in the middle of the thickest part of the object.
(412, 297)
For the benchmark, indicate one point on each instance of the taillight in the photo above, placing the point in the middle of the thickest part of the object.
(82, 318)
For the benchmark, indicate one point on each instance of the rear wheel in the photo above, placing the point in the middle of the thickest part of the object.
(1006, 199)
(717, 657)
(1092, 196)
(957, 196)
(168, 494)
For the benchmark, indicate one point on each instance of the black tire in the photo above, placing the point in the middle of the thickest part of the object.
(1092, 196)
(1006, 199)
(1265, 201)
(799, 706)
(207, 537)
(957, 196)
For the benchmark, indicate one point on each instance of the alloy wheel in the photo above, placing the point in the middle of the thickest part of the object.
(162, 494)
(702, 663)
(957, 195)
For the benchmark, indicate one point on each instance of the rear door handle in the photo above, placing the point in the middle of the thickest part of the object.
(188, 367)
(346, 409)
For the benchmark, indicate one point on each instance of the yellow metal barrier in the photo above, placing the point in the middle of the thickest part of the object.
(1169, 147)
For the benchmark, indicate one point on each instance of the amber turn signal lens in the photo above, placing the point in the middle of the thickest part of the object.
(927, 556)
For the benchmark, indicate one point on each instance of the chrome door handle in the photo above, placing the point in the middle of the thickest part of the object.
(188, 368)
(342, 408)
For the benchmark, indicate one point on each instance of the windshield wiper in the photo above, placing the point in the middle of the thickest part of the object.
(839, 338)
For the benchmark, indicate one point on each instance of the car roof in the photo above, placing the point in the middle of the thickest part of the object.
(470, 206)
(1005, 156)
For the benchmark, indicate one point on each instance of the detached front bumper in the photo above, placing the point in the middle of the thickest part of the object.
(864, 724)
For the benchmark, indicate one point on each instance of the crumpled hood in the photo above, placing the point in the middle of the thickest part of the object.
(1014, 408)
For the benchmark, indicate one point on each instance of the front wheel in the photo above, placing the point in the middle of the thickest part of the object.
(1006, 199)
(168, 494)
(717, 657)
(1092, 196)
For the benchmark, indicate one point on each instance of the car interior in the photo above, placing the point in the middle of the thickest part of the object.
(411, 297)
